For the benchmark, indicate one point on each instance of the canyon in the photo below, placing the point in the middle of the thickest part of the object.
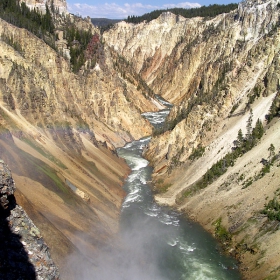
(214, 71)
(60, 130)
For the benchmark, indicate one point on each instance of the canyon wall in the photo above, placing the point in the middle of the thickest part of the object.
(59, 132)
(218, 72)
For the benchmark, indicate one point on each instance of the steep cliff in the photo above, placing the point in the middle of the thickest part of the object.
(214, 71)
(59, 131)
(205, 66)
(177, 56)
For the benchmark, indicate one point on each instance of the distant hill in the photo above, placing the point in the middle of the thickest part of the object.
(104, 21)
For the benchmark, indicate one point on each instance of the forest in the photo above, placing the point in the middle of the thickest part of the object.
(21, 16)
(204, 11)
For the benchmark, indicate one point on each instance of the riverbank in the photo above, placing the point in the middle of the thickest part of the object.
(235, 199)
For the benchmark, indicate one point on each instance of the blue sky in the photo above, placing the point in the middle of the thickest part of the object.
(118, 9)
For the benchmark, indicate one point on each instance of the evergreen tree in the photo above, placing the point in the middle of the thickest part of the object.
(249, 139)
(238, 143)
(249, 124)
(257, 131)
(52, 7)
(21, 16)
(274, 109)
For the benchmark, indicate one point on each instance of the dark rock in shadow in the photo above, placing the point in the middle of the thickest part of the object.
(23, 252)
(14, 260)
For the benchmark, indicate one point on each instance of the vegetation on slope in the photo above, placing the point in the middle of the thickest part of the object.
(82, 43)
(242, 145)
(32, 20)
(222, 234)
(104, 24)
(104, 21)
(274, 110)
(127, 72)
(272, 209)
(204, 11)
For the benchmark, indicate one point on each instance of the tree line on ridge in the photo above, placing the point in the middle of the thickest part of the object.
(204, 11)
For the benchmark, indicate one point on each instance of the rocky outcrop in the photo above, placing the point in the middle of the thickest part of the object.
(178, 56)
(66, 126)
(100, 93)
(59, 5)
(7, 186)
(23, 252)
(147, 45)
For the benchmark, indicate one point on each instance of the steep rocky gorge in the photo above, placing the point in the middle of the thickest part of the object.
(59, 131)
(214, 71)
(203, 66)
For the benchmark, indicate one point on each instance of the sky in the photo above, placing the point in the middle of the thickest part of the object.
(121, 9)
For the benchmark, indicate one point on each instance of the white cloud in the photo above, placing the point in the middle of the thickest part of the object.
(185, 5)
(116, 11)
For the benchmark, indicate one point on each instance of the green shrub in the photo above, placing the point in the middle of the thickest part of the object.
(272, 209)
(221, 232)
(197, 153)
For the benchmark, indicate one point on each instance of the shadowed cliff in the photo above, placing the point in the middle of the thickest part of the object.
(23, 252)
(15, 262)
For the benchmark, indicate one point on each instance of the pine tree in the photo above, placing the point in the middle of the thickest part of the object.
(258, 130)
(240, 138)
(249, 124)
(249, 139)
(52, 7)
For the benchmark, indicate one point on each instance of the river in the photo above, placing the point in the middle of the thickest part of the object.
(156, 242)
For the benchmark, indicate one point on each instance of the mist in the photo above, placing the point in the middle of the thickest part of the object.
(133, 255)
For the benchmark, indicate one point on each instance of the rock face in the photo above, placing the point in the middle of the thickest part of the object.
(147, 45)
(59, 5)
(100, 93)
(204, 66)
(178, 56)
(7, 186)
(59, 132)
(23, 252)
